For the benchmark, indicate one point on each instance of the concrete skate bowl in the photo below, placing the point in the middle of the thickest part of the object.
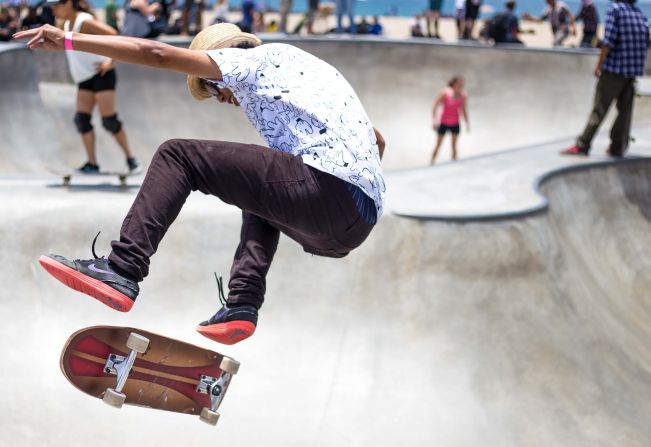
(517, 97)
(28, 132)
(516, 332)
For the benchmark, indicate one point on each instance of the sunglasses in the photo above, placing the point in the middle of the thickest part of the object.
(212, 88)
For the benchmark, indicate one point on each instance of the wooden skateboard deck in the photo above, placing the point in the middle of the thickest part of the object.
(163, 373)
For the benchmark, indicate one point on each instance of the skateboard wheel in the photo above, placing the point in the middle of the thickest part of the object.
(229, 365)
(113, 398)
(208, 416)
(137, 342)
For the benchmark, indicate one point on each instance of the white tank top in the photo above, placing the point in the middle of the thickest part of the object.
(83, 66)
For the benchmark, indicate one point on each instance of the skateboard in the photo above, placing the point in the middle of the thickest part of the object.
(67, 176)
(123, 365)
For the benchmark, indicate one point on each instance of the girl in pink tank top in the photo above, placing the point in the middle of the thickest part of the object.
(452, 101)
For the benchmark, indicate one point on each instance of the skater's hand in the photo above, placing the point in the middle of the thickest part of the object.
(104, 67)
(47, 37)
(436, 125)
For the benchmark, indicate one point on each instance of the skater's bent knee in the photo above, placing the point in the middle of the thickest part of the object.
(173, 145)
(82, 121)
(112, 123)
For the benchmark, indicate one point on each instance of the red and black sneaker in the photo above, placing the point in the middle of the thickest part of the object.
(94, 277)
(232, 323)
(574, 150)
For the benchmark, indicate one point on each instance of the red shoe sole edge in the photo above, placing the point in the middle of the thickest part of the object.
(85, 284)
(228, 333)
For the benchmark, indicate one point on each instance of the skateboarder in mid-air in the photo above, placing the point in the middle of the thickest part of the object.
(319, 181)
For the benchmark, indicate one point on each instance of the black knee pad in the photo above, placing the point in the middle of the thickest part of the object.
(112, 123)
(82, 121)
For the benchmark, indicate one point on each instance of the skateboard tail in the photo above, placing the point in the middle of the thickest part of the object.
(87, 285)
(228, 333)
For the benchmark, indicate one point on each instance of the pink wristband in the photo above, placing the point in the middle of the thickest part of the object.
(68, 41)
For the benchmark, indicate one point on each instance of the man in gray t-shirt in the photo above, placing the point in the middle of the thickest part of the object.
(560, 18)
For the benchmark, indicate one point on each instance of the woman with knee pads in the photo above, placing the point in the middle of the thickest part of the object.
(96, 79)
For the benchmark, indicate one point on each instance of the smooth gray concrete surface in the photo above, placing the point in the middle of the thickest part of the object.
(28, 140)
(528, 331)
(397, 82)
(496, 186)
(522, 332)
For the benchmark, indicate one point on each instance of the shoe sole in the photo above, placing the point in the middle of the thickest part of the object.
(85, 284)
(228, 333)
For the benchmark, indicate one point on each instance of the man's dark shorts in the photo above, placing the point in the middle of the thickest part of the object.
(99, 83)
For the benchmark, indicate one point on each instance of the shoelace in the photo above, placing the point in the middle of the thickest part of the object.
(93, 246)
(220, 286)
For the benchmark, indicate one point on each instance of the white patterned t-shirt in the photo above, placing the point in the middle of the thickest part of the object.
(302, 105)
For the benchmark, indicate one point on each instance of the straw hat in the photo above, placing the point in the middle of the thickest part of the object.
(221, 35)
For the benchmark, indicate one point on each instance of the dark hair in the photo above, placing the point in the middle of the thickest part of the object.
(454, 80)
(81, 5)
(244, 45)
(510, 5)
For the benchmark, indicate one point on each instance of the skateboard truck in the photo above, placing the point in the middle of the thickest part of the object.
(216, 388)
(121, 366)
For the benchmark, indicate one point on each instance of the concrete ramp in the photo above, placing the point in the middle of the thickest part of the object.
(28, 137)
(519, 332)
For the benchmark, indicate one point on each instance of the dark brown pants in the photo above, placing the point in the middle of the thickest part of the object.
(276, 191)
(611, 87)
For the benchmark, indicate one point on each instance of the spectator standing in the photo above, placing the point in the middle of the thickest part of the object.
(285, 9)
(111, 14)
(460, 16)
(590, 17)
(622, 59)
(312, 11)
(376, 28)
(471, 14)
(452, 101)
(192, 9)
(433, 16)
(32, 19)
(8, 25)
(560, 18)
(505, 27)
(248, 16)
(47, 16)
(140, 19)
(346, 8)
(221, 11)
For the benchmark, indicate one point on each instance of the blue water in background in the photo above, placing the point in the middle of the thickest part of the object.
(409, 8)
(413, 7)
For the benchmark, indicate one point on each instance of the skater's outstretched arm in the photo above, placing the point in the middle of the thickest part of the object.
(126, 49)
